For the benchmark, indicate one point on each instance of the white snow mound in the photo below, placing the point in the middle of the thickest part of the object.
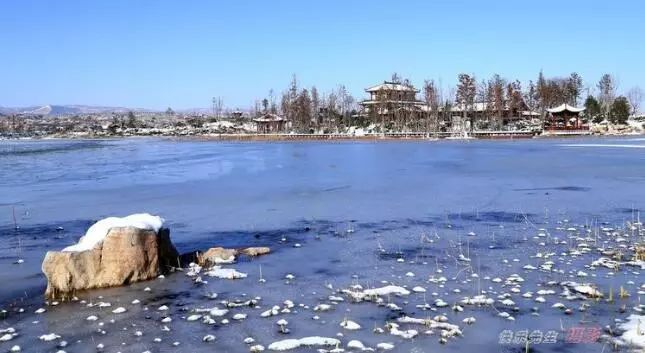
(634, 334)
(290, 344)
(99, 230)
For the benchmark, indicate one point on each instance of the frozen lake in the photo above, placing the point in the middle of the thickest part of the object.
(390, 194)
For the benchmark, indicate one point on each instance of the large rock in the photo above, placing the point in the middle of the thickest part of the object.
(219, 255)
(126, 255)
(215, 256)
(255, 251)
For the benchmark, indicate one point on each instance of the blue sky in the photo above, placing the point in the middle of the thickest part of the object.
(157, 53)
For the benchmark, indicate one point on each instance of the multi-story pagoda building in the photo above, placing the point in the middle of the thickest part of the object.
(391, 99)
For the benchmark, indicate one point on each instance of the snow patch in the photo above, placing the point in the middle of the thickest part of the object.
(634, 331)
(99, 230)
(289, 344)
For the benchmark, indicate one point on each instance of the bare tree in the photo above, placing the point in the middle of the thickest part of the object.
(265, 105)
(606, 92)
(635, 97)
(315, 105)
(489, 107)
(431, 97)
(218, 105)
(465, 97)
(514, 97)
(285, 105)
(541, 95)
(574, 88)
(530, 97)
(302, 111)
(273, 108)
(498, 100)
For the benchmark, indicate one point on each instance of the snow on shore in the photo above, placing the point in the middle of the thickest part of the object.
(290, 344)
(99, 230)
(634, 334)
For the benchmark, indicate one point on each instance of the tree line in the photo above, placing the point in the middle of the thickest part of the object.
(308, 109)
(484, 103)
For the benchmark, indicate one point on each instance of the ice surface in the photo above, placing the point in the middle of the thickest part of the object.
(412, 201)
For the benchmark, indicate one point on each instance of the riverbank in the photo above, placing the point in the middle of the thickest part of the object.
(422, 136)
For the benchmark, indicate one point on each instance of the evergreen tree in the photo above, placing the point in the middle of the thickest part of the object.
(592, 110)
(132, 120)
(619, 112)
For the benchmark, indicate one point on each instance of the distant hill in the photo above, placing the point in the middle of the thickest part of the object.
(59, 110)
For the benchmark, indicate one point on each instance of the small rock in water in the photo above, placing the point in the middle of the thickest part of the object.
(350, 325)
(385, 346)
(419, 289)
(356, 344)
(469, 320)
(49, 337)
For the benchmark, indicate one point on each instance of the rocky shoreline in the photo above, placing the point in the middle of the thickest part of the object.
(125, 255)
(244, 129)
(409, 293)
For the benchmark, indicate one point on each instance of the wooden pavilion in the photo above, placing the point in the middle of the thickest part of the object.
(565, 117)
(270, 123)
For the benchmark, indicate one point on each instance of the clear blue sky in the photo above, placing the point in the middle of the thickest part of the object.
(157, 53)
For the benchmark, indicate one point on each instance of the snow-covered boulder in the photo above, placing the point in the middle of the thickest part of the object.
(127, 253)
